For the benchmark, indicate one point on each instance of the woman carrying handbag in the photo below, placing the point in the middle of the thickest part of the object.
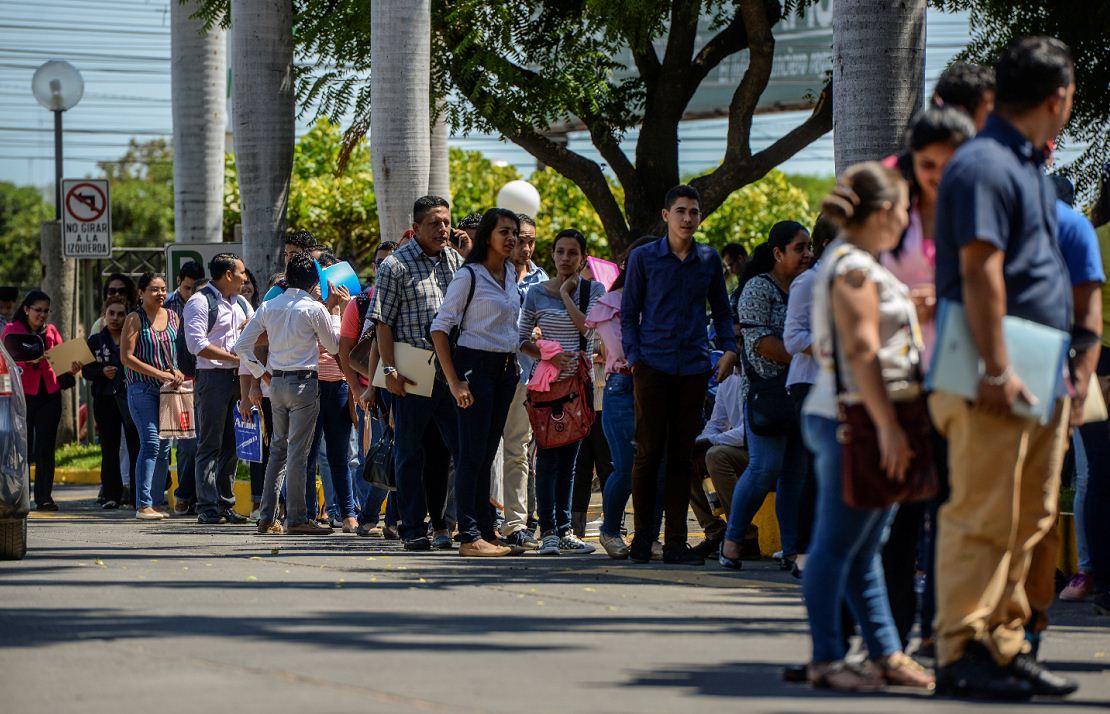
(148, 350)
(559, 307)
(865, 423)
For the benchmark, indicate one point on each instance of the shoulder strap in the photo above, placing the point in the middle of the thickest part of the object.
(212, 306)
(583, 306)
(469, 295)
(362, 304)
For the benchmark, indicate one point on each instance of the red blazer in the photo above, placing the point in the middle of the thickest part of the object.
(40, 374)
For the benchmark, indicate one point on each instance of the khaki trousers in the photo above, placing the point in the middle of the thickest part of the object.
(1005, 478)
(516, 437)
(724, 464)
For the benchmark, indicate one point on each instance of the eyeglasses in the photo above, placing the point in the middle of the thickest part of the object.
(40, 310)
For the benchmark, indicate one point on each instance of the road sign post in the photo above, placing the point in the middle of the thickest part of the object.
(178, 253)
(86, 219)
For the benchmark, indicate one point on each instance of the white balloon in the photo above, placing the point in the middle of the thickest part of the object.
(519, 197)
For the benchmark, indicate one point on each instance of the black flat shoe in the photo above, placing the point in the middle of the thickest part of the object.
(48, 506)
(707, 548)
(1045, 684)
(211, 519)
(977, 676)
(232, 516)
(418, 544)
(681, 555)
(638, 552)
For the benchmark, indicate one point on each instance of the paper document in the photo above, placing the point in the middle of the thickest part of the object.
(1036, 353)
(412, 362)
(64, 355)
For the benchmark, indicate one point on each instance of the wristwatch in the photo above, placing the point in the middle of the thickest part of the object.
(387, 371)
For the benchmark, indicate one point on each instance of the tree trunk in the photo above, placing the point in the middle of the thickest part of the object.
(199, 75)
(878, 76)
(400, 50)
(262, 102)
(59, 281)
(439, 169)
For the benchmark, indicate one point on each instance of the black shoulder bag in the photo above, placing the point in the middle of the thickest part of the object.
(768, 408)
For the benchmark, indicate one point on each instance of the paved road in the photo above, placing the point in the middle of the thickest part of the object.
(107, 615)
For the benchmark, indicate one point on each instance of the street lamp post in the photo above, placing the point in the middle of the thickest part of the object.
(58, 87)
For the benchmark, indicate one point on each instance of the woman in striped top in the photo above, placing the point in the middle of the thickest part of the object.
(148, 350)
(553, 307)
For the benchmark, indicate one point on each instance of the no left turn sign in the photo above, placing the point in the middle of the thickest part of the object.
(86, 219)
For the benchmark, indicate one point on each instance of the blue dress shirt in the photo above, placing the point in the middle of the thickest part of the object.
(663, 308)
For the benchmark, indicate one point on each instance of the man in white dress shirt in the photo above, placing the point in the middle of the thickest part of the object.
(295, 322)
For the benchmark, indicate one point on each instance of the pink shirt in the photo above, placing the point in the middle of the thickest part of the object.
(915, 267)
(605, 320)
(39, 375)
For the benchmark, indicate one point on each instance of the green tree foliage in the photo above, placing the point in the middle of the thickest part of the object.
(1083, 26)
(22, 211)
(748, 214)
(142, 194)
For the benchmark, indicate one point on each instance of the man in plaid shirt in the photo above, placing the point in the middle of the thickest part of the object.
(408, 291)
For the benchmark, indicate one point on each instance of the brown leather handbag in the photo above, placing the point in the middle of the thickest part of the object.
(563, 414)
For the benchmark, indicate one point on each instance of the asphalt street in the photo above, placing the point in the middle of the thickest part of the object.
(107, 614)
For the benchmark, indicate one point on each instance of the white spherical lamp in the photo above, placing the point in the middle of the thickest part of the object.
(519, 197)
(58, 86)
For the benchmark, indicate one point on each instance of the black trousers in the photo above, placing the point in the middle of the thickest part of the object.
(807, 508)
(593, 455)
(44, 412)
(1096, 442)
(258, 470)
(668, 420)
(109, 422)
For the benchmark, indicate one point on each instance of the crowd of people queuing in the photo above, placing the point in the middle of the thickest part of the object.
(708, 398)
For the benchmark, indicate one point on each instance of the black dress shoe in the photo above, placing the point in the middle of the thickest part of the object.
(681, 555)
(233, 516)
(977, 676)
(640, 551)
(707, 547)
(421, 543)
(48, 506)
(211, 518)
(1044, 683)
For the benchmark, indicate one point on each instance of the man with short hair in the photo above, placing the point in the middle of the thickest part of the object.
(296, 325)
(996, 253)
(410, 287)
(185, 496)
(9, 298)
(667, 285)
(517, 435)
(214, 318)
(967, 87)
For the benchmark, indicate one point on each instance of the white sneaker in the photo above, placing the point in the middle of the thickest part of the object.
(253, 517)
(549, 545)
(656, 550)
(573, 544)
(614, 546)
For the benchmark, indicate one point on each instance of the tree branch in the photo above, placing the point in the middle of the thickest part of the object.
(761, 53)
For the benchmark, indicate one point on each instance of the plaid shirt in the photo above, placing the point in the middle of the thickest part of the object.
(408, 290)
(176, 303)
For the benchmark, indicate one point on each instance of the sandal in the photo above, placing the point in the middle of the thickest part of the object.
(727, 562)
(901, 670)
(841, 676)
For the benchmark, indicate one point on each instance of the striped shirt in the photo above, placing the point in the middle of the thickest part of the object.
(490, 322)
(156, 348)
(548, 312)
(408, 290)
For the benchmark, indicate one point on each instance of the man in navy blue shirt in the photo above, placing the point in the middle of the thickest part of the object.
(996, 252)
(663, 331)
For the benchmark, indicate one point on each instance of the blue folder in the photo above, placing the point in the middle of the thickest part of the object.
(1036, 353)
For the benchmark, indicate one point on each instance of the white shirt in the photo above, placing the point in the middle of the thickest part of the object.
(295, 323)
(726, 426)
(230, 319)
(490, 322)
(796, 335)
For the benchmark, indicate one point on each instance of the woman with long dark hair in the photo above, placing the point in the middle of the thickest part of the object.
(43, 389)
(149, 352)
(553, 306)
(109, 400)
(482, 304)
(776, 454)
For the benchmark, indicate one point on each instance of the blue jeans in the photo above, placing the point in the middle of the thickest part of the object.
(844, 562)
(426, 428)
(771, 460)
(333, 428)
(1082, 476)
(492, 377)
(618, 420)
(153, 461)
(554, 486)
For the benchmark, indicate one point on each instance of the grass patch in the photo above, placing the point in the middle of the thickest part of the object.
(78, 456)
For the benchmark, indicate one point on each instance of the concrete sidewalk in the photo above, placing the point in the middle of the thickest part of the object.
(109, 614)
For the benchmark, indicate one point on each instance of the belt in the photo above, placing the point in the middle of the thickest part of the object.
(218, 369)
(295, 373)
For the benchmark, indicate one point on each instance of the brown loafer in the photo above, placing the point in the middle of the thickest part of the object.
(270, 528)
(476, 550)
(308, 528)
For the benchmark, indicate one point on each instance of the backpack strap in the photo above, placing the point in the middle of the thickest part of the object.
(213, 305)
(469, 295)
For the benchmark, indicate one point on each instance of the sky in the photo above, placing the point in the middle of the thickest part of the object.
(122, 49)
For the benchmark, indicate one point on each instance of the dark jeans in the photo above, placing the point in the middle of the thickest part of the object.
(593, 455)
(900, 565)
(492, 377)
(554, 483)
(44, 412)
(333, 425)
(258, 470)
(932, 511)
(214, 397)
(372, 506)
(668, 419)
(1096, 442)
(110, 422)
(427, 437)
(187, 470)
(807, 507)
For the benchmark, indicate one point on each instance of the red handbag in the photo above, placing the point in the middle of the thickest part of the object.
(563, 414)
